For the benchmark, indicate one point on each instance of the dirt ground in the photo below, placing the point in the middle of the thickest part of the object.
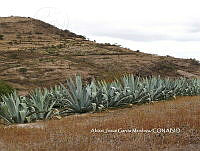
(108, 130)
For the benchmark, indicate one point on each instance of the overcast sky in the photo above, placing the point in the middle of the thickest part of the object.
(164, 27)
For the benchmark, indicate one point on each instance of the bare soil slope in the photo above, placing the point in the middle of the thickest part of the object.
(36, 54)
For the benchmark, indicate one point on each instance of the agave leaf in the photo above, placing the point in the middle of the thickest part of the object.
(12, 109)
(5, 114)
(41, 103)
(22, 115)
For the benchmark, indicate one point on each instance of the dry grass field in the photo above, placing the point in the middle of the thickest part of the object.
(74, 133)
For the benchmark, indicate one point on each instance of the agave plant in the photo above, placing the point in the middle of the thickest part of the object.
(113, 94)
(58, 94)
(13, 109)
(154, 89)
(40, 104)
(195, 87)
(135, 87)
(79, 98)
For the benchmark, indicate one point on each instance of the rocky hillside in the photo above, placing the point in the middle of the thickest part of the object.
(36, 54)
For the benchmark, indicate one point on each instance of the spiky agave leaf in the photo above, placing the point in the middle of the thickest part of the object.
(80, 98)
(113, 94)
(134, 87)
(58, 93)
(13, 110)
(42, 104)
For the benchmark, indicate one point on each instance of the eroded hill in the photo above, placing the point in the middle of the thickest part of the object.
(36, 54)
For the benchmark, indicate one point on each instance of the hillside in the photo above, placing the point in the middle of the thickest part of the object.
(36, 54)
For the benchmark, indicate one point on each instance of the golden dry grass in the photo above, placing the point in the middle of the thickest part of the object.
(74, 132)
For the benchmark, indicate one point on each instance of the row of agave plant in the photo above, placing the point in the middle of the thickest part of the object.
(74, 97)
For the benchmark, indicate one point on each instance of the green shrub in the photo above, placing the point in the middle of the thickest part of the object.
(194, 61)
(5, 88)
(1, 37)
(23, 70)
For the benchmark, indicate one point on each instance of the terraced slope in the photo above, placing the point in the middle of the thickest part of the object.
(36, 54)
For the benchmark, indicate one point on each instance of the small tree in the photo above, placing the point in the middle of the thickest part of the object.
(1, 37)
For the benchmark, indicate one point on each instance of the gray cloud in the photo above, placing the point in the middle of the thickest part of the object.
(134, 35)
(194, 27)
(186, 33)
(148, 37)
